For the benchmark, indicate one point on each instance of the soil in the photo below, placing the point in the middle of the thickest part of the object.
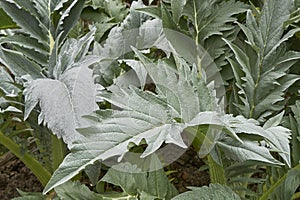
(14, 174)
(188, 173)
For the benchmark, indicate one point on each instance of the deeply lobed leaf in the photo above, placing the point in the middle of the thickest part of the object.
(157, 119)
(262, 63)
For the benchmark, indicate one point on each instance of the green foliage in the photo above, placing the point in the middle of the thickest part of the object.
(75, 190)
(262, 64)
(135, 182)
(39, 31)
(136, 30)
(156, 123)
(6, 21)
(84, 70)
(76, 94)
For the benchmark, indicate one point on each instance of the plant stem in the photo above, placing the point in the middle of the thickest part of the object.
(58, 152)
(275, 185)
(216, 172)
(296, 196)
(38, 170)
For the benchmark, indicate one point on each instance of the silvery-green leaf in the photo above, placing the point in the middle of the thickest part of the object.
(6, 83)
(157, 119)
(288, 187)
(18, 64)
(213, 192)
(210, 18)
(26, 20)
(262, 62)
(274, 121)
(133, 180)
(63, 101)
(177, 7)
(248, 150)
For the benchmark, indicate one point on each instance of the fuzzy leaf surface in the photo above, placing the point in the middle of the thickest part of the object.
(155, 118)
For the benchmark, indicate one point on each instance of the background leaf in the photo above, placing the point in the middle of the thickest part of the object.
(6, 21)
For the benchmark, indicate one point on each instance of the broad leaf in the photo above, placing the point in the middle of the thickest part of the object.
(74, 91)
(154, 118)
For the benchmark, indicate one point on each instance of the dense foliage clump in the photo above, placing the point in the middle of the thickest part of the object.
(93, 86)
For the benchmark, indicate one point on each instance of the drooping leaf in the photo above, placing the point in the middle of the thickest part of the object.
(248, 150)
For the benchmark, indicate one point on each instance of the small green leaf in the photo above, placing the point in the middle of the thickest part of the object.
(6, 22)
(274, 121)
(69, 18)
